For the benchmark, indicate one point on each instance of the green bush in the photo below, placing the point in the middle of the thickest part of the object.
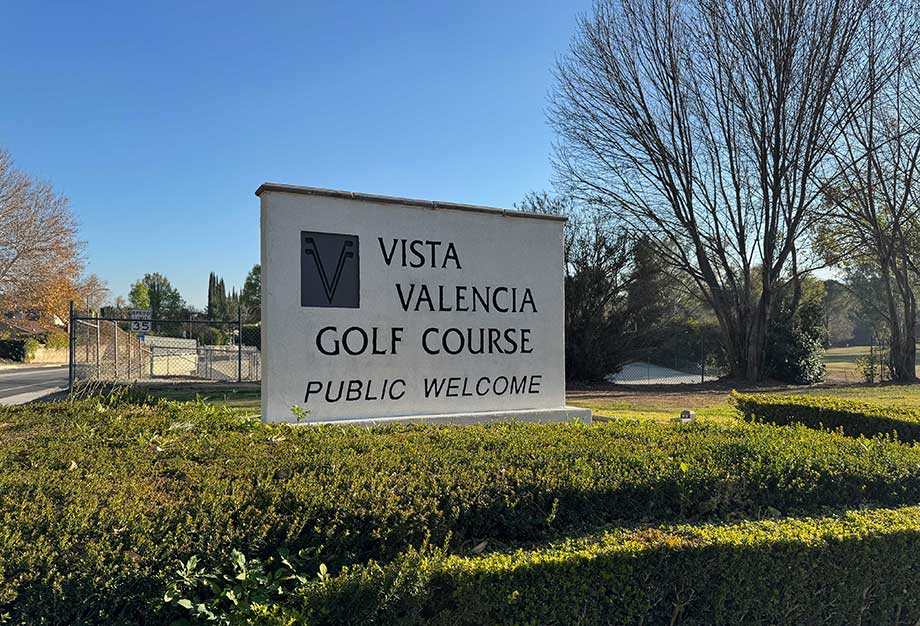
(22, 350)
(854, 417)
(29, 347)
(210, 335)
(855, 568)
(795, 345)
(99, 501)
(57, 341)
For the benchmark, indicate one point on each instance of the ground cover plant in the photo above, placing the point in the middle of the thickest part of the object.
(146, 512)
(740, 573)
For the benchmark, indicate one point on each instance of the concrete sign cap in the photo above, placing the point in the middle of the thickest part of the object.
(423, 204)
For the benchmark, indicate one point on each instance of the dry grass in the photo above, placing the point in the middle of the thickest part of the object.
(711, 401)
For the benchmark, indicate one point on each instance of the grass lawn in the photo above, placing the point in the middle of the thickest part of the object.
(841, 363)
(660, 404)
(711, 402)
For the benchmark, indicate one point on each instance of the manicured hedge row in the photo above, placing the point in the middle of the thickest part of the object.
(855, 417)
(858, 568)
(99, 501)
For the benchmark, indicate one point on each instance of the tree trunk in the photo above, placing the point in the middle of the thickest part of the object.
(910, 339)
(904, 367)
(902, 318)
(757, 339)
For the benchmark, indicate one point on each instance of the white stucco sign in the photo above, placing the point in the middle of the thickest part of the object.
(377, 308)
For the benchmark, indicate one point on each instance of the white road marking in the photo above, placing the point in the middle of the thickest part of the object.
(5, 373)
(22, 398)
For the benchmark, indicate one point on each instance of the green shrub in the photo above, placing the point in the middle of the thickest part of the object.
(854, 417)
(855, 568)
(18, 349)
(224, 596)
(57, 341)
(795, 344)
(29, 347)
(99, 500)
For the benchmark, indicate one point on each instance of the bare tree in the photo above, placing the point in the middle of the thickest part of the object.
(597, 277)
(708, 124)
(38, 236)
(92, 292)
(875, 197)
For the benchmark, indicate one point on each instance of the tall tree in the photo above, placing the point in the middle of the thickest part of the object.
(212, 295)
(706, 124)
(222, 311)
(92, 292)
(875, 198)
(597, 278)
(251, 294)
(165, 301)
(139, 295)
(39, 250)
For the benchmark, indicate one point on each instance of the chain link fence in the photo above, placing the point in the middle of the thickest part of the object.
(689, 356)
(193, 350)
(646, 373)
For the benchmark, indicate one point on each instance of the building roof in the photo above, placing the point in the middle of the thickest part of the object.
(26, 327)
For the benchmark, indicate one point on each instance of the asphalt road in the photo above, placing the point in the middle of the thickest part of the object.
(24, 384)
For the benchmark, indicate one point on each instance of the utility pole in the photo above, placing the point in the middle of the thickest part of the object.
(70, 356)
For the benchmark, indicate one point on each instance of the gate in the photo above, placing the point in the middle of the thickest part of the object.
(104, 349)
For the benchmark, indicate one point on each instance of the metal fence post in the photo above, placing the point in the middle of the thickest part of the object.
(70, 356)
(115, 347)
(702, 359)
(239, 344)
(98, 345)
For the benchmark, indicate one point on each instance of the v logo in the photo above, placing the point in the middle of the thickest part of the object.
(329, 284)
(329, 270)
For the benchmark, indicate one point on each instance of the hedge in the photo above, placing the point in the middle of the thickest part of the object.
(100, 500)
(854, 417)
(855, 568)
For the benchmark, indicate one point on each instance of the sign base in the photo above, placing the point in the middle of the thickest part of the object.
(562, 414)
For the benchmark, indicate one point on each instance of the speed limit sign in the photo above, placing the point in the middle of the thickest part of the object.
(140, 320)
(140, 326)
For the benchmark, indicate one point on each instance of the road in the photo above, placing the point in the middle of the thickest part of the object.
(24, 384)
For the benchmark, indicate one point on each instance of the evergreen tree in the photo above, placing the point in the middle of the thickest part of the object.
(222, 313)
(212, 295)
(251, 295)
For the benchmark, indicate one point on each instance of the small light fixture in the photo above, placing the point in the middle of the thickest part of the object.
(685, 416)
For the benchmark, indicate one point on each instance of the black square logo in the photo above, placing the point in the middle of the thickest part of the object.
(329, 270)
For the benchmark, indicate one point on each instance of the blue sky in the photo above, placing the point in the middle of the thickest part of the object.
(160, 120)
